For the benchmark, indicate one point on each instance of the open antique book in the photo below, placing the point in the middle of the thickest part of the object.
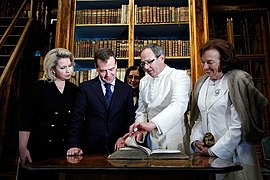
(136, 151)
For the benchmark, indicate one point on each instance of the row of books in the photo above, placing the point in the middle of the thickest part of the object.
(143, 14)
(102, 16)
(87, 74)
(155, 14)
(173, 48)
(87, 48)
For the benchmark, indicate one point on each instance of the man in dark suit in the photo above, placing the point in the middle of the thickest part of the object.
(103, 110)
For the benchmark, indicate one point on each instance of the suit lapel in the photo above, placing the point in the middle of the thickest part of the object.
(98, 91)
(116, 93)
(221, 89)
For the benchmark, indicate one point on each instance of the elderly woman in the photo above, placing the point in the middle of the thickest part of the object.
(227, 111)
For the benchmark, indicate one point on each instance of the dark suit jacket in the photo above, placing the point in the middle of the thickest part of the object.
(94, 128)
(46, 114)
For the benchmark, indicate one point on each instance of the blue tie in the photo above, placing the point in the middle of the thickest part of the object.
(108, 94)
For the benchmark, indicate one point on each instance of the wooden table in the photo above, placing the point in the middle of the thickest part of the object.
(99, 167)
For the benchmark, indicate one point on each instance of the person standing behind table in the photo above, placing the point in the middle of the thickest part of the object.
(101, 124)
(227, 111)
(163, 101)
(133, 76)
(46, 114)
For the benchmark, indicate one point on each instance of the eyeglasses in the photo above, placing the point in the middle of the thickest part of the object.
(148, 62)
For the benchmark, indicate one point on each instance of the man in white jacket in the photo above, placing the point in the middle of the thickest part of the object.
(163, 101)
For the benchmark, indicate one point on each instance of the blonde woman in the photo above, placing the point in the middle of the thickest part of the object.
(47, 111)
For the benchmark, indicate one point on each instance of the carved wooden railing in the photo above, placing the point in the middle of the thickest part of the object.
(6, 76)
(13, 23)
(12, 61)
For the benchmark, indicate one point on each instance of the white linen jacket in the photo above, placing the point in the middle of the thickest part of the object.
(164, 101)
(228, 117)
(234, 114)
(218, 117)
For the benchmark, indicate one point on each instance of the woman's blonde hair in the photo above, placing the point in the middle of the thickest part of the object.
(51, 60)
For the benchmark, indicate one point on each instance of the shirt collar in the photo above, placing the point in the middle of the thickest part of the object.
(102, 82)
(163, 72)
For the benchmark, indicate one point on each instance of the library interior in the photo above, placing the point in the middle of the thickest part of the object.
(30, 28)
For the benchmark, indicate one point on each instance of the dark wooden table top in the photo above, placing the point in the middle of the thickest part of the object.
(100, 164)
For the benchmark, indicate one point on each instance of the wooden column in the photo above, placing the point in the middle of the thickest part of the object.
(65, 20)
(198, 34)
(131, 22)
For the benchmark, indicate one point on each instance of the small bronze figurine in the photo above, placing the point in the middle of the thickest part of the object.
(208, 140)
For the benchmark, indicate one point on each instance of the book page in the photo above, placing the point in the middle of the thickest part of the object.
(159, 151)
(135, 151)
(167, 154)
(131, 142)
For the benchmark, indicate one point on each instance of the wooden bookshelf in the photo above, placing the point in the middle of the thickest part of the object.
(157, 26)
(100, 24)
(127, 25)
